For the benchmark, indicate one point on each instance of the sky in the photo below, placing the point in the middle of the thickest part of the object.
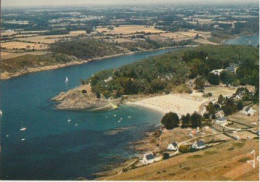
(21, 3)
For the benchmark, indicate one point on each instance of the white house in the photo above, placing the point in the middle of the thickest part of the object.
(173, 146)
(148, 158)
(200, 144)
(217, 72)
(108, 79)
(249, 111)
(220, 117)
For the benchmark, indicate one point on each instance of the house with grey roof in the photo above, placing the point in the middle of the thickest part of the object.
(173, 146)
(199, 144)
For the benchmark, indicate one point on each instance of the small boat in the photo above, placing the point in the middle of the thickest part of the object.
(1, 113)
(23, 129)
(129, 117)
(69, 120)
(66, 80)
(23, 139)
(76, 124)
(114, 115)
(249, 42)
(7, 136)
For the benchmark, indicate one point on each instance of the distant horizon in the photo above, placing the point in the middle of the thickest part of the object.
(82, 3)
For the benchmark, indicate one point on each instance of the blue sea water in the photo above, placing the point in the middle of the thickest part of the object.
(53, 148)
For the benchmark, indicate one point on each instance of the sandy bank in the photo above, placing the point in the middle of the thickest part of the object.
(178, 103)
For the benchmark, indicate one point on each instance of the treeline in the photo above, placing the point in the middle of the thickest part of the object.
(148, 44)
(166, 72)
(152, 75)
(245, 59)
(84, 48)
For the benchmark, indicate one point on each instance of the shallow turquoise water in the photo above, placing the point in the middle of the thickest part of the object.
(244, 40)
(53, 148)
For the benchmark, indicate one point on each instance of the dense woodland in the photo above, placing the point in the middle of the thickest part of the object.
(85, 48)
(168, 72)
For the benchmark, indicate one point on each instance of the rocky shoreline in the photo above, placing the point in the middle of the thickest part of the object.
(8, 75)
(141, 146)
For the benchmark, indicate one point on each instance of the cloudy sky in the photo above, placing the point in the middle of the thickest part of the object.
(87, 2)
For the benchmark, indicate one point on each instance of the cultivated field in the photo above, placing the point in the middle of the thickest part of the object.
(122, 40)
(205, 41)
(130, 29)
(76, 33)
(8, 55)
(182, 36)
(23, 45)
(48, 39)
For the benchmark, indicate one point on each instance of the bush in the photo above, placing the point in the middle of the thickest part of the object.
(195, 120)
(206, 115)
(208, 94)
(185, 121)
(199, 83)
(170, 120)
(229, 107)
(211, 108)
(84, 91)
(213, 79)
(183, 89)
(239, 106)
(166, 156)
(184, 148)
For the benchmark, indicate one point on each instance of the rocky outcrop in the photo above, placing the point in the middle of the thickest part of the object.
(83, 98)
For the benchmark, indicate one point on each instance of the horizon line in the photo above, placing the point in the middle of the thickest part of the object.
(136, 4)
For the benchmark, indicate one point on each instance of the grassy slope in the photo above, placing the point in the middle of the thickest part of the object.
(16, 64)
(226, 161)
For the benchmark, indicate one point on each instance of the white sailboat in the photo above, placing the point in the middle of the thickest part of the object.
(1, 113)
(69, 120)
(22, 127)
(66, 79)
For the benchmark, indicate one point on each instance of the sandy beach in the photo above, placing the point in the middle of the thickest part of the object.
(178, 103)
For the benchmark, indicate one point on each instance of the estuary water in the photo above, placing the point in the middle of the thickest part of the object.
(244, 40)
(65, 145)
